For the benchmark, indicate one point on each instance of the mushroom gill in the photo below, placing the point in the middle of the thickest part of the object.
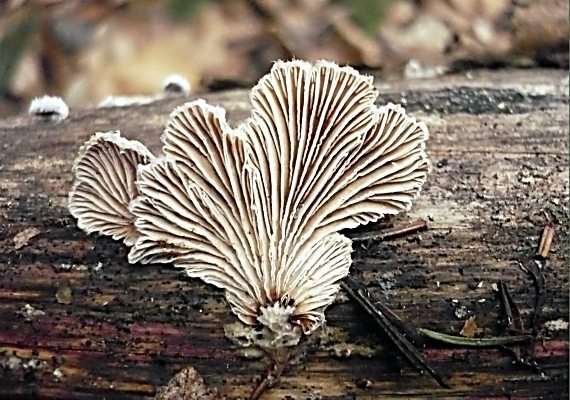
(104, 185)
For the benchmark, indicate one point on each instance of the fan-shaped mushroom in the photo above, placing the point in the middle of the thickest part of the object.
(255, 210)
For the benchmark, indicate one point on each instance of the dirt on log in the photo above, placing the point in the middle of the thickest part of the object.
(78, 322)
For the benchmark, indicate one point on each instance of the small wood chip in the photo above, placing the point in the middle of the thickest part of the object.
(546, 240)
(186, 385)
(22, 238)
(64, 294)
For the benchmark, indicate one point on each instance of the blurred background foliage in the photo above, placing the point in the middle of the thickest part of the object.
(86, 50)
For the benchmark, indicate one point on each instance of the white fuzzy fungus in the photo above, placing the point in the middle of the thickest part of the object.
(176, 84)
(49, 108)
(126, 101)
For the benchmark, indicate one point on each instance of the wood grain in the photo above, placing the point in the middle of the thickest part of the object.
(499, 146)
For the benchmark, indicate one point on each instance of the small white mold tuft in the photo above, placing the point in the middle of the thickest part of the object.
(12, 363)
(556, 325)
(30, 312)
(49, 108)
(58, 374)
(414, 69)
(176, 84)
(125, 101)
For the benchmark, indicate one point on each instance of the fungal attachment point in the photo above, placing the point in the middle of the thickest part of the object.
(256, 209)
(176, 84)
(49, 108)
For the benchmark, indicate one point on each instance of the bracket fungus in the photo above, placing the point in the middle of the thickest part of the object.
(256, 209)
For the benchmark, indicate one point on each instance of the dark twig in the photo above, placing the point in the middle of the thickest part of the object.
(361, 295)
(408, 330)
(521, 355)
(510, 309)
(514, 325)
(279, 360)
(535, 269)
(506, 306)
(412, 227)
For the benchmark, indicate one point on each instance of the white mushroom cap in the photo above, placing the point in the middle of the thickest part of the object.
(104, 185)
(254, 210)
(49, 108)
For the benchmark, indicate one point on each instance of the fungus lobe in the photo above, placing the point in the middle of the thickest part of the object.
(105, 184)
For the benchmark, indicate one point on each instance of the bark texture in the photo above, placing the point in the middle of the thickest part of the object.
(79, 322)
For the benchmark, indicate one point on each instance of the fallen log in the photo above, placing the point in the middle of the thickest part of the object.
(79, 322)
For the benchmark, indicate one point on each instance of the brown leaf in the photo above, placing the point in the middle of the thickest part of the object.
(469, 328)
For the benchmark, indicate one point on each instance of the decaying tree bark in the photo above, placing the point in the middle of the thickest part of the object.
(79, 322)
